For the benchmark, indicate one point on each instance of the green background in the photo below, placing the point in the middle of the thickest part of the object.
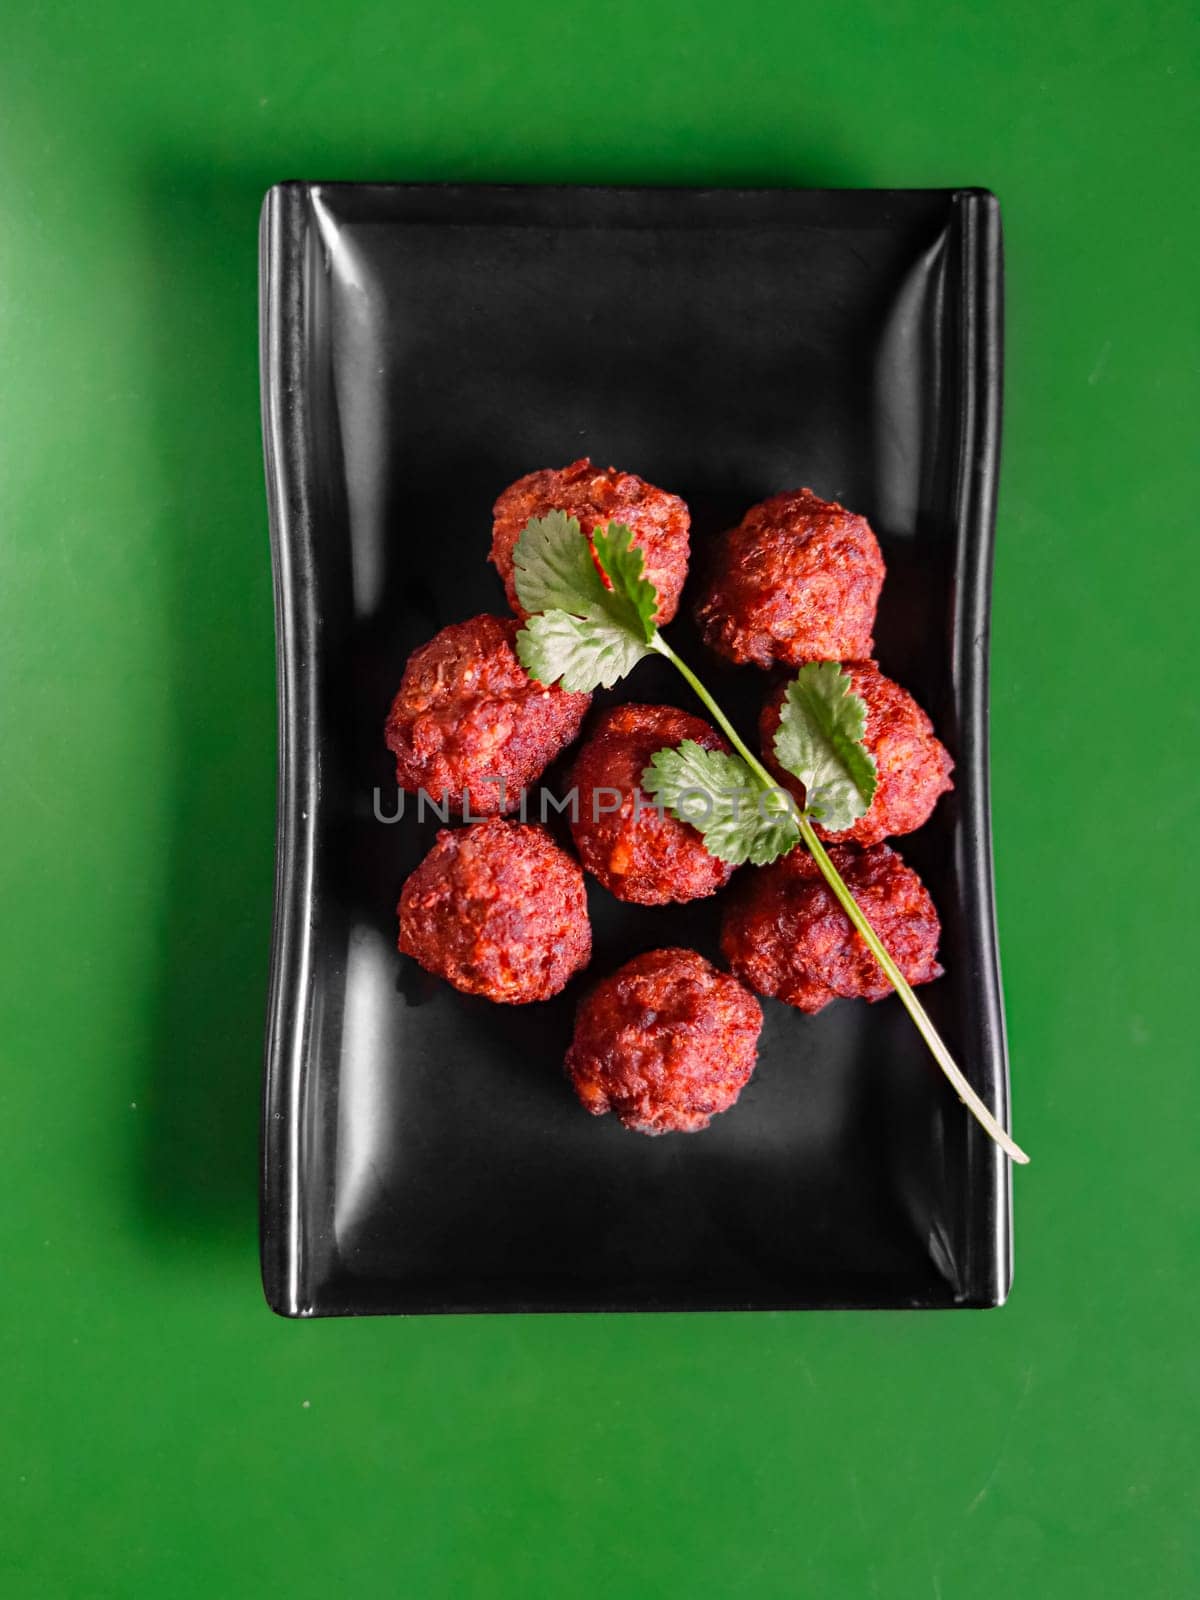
(160, 1432)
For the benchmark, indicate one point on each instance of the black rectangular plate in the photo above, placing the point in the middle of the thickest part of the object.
(421, 348)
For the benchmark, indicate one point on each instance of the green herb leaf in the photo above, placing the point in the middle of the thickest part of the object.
(719, 796)
(635, 598)
(819, 739)
(578, 653)
(553, 567)
(581, 633)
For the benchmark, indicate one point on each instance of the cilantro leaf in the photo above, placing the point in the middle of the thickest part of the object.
(578, 653)
(718, 795)
(553, 567)
(819, 740)
(635, 597)
(582, 633)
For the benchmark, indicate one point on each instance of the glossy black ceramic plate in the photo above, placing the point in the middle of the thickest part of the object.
(421, 348)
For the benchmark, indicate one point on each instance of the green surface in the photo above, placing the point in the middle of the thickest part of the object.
(160, 1432)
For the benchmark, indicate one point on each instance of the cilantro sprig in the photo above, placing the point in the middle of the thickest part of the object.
(591, 620)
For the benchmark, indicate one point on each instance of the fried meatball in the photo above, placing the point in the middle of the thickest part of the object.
(659, 521)
(912, 764)
(468, 715)
(497, 909)
(638, 851)
(797, 580)
(665, 1043)
(784, 933)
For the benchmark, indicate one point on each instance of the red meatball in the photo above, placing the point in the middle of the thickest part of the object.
(785, 934)
(638, 851)
(912, 764)
(798, 580)
(665, 1043)
(497, 909)
(659, 521)
(468, 715)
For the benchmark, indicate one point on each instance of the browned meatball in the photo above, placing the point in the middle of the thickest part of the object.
(659, 521)
(665, 1043)
(785, 934)
(797, 580)
(639, 851)
(912, 764)
(497, 909)
(468, 717)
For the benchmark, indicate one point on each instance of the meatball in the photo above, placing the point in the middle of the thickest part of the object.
(497, 909)
(637, 850)
(470, 722)
(912, 764)
(665, 1043)
(797, 580)
(659, 521)
(784, 933)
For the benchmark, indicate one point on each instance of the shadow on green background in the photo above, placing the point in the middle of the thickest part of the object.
(198, 1163)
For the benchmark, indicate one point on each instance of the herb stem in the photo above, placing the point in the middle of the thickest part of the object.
(727, 728)
(853, 910)
(911, 1004)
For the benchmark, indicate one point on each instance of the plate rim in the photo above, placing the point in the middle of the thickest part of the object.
(286, 234)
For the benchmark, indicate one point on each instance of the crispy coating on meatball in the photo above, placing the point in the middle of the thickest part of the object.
(785, 934)
(659, 521)
(666, 1042)
(638, 851)
(468, 714)
(497, 909)
(912, 764)
(797, 580)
